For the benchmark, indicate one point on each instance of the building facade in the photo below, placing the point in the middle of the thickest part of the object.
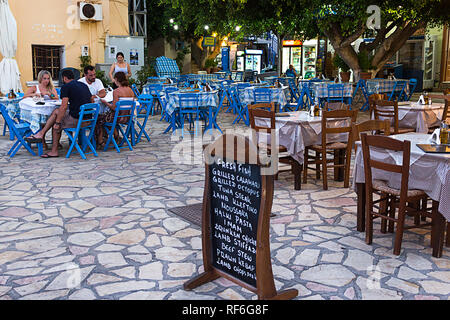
(52, 35)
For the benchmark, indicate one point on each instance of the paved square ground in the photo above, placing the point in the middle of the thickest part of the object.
(101, 229)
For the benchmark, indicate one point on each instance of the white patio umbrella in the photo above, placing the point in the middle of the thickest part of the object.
(9, 70)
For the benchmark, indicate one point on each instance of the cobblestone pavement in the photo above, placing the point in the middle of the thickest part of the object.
(101, 229)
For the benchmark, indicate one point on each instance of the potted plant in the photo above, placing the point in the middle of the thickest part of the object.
(345, 69)
(210, 64)
(365, 63)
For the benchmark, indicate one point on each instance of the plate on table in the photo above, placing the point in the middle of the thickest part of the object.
(435, 148)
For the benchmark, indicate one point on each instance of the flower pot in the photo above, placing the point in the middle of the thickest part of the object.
(365, 75)
(345, 76)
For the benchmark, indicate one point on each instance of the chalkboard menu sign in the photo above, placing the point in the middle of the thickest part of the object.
(235, 201)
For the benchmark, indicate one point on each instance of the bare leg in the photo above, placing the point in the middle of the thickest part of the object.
(56, 135)
(50, 122)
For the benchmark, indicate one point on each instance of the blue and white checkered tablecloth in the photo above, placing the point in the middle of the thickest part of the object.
(202, 77)
(386, 85)
(12, 105)
(320, 90)
(278, 95)
(205, 99)
(166, 67)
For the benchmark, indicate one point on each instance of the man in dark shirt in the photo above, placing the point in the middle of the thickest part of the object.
(74, 94)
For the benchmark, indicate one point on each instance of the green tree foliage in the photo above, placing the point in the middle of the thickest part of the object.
(341, 21)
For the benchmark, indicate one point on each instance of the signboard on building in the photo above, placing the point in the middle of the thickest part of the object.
(292, 43)
(209, 42)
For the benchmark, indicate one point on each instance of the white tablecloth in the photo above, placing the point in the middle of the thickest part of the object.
(36, 114)
(419, 117)
(300, 130)
(429, 172)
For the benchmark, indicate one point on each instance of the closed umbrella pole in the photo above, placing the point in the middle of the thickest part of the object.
(9, 70)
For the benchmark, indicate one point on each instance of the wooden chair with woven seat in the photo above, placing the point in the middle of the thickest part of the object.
(376, 126)
(385, 109)
(393, 198)
(279, 151)
(321, 151)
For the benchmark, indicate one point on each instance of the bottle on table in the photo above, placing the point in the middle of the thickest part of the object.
(11, 94)
(443, 133)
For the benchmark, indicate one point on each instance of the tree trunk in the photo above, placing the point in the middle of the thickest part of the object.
(383, 52)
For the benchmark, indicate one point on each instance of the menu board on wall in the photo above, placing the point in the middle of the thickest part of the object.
(235, 202)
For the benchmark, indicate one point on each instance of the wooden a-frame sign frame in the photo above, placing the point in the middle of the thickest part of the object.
(239, 148)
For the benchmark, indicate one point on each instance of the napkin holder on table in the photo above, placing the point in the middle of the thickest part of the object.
(421, 100)
(435, 136)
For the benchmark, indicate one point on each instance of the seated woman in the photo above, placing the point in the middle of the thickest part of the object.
(123, 92)
(44, 89)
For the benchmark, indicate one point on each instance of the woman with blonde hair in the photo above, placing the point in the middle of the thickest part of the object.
(44, 89)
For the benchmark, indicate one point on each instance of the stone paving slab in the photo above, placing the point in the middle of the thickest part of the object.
(102, 229)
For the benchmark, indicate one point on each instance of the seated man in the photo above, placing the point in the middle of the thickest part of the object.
(291, 72)
(95, 85)
(74, 94)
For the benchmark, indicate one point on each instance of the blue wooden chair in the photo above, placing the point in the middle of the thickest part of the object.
(20, 131)
(155, 90)
(189, 109)
(86, 122)
(335, 92)
(239, 107)
(143, 112)
(135, 90)
(412, 88)
(239, 76)
(262, 95)
(295, 94)
(128, 107)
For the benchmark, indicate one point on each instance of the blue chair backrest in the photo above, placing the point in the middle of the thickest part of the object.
(239, 76)
(188, 100)
(262, 95)
(145, 102)
(20, 94)
(412, 85)
(58, 91)
(125, 105)
(135, 90)
(335, 91)
(10, 122)
(88, 115)
(154, 88)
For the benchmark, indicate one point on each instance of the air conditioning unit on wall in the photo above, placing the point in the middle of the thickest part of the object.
(90, 12)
